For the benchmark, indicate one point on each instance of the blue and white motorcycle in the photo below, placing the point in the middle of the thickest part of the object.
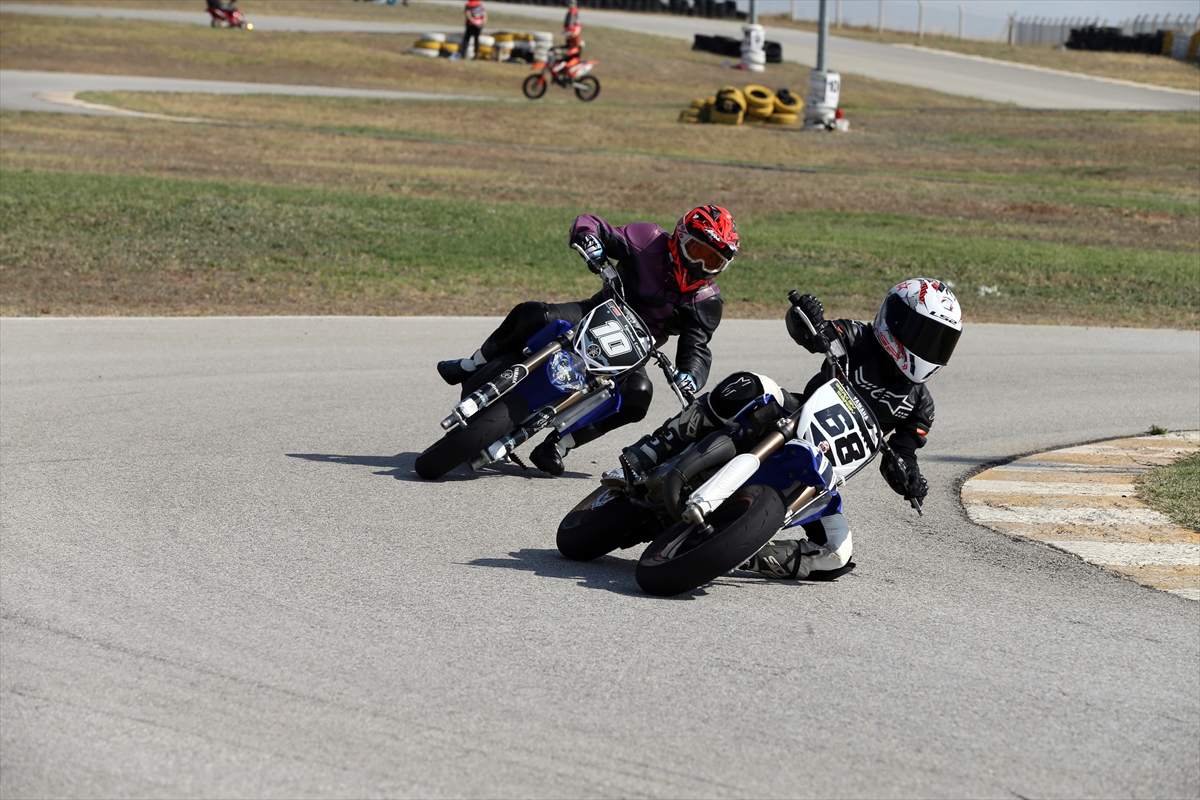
(709, 509)
(567, 378)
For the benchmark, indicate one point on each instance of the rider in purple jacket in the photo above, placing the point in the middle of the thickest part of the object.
(668, 280)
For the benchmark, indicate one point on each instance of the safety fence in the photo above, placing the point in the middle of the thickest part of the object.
(1046, 31)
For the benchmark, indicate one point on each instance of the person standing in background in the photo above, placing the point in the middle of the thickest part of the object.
(476, 16)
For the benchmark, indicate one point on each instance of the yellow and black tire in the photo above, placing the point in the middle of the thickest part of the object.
(787, 103)
(779, 118)
(449, 47)
(689, 115)
(698, 103)
(724, 118)
(1194, 47)
(484, 51)
(758, 97)
(424, 44)
(759, 113)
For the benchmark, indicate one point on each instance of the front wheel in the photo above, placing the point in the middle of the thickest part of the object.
(534, 86)
(686, 555)
(588, 92)
(604, 521)
(461, 444)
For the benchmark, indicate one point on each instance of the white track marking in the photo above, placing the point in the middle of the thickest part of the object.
(1038, 515)
(1047, 487)
(1133, 554)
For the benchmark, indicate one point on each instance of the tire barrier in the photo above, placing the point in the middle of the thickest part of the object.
(750, 104)
(732, 48)
(521, 47)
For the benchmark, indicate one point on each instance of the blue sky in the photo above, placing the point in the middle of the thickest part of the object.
(985, 19)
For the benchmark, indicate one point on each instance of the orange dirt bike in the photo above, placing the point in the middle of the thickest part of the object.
(566, 74)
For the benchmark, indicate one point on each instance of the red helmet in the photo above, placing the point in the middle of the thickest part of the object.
(571, 26)
(704, 243)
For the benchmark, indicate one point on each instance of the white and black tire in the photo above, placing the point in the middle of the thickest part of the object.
(433, 37)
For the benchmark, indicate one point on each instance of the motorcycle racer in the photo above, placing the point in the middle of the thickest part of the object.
(890, 360)
(567, 56)
(668, 279)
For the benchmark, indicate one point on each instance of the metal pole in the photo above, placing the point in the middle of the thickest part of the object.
(839, 13)
(920, 19)
(753, 12)
(822, 36)
(961, 20)
(881, 16)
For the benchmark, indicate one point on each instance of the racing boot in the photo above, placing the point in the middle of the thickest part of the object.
(641, 457)
(457, 370)
(548, 456)
(823, 556)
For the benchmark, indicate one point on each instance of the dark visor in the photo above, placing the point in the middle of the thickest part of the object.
(924, 337)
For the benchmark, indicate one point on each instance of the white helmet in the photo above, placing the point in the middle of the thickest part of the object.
(918, 325)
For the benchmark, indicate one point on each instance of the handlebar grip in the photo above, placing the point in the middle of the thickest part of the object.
(794, 297)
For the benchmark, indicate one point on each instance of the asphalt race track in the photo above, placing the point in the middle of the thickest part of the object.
(1003, 82)
(220, 577)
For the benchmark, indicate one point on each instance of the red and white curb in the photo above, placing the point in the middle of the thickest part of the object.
(1083, 500)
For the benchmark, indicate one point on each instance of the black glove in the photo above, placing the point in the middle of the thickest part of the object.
(905, 479)
(591, 250)
(810, 307)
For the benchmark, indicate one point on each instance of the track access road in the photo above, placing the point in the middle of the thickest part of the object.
(220, 576)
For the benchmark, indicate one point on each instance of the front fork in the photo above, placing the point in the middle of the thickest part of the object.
(490, 392)
(719, 487)
(545, 416)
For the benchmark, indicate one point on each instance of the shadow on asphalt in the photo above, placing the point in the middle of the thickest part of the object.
(617, 576)
(402, 467)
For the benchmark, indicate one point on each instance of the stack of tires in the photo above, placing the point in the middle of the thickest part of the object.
(430, 45)
(787, 109)
(451, 45)
(733, 106)
(754, 56)
(503, 43)
(487, 47)
(542, 42)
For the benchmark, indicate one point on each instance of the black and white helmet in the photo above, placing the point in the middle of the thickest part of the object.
(918, 325)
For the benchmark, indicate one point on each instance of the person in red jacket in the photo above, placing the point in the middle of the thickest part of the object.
(669, 280)
(476, 16)
(567, 56)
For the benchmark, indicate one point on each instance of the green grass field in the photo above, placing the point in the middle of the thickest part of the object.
(307, 205)
(1175, 491)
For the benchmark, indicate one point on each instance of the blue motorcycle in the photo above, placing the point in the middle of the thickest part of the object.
(709, 509)
(568, 377)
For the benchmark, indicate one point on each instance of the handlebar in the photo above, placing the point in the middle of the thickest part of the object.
(832, 352)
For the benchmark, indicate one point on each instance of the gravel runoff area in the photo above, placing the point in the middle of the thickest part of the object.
(1083, 500)
(1024, 86)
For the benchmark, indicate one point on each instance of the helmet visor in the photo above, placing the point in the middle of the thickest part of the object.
(703, 255)
(924, 337)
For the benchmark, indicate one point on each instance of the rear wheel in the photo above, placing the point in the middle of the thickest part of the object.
(461, 444)
(686, 556)
(603, 522)
(534, 86)
(590, 91)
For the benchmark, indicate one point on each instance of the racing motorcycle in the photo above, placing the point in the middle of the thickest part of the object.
(713, 506)
(567, 378)
(568, 76)
(229, 18)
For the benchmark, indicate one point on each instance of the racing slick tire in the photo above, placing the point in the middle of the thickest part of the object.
(461, 444)
(686, 556)
(604, 521)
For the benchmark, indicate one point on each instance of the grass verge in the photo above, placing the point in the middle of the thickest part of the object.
(1175, 491)
(95, 244)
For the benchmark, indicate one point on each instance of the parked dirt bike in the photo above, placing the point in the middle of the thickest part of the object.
(709, 509)
(567, 377)
(232, 18)
(568, 76)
